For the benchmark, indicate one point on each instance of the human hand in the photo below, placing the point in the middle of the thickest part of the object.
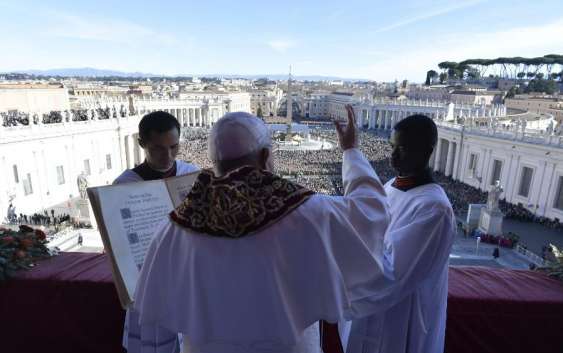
(347, 135)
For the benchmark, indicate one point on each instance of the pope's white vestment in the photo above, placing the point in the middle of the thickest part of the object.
(266, 291)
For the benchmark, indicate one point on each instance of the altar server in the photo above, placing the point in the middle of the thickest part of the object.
(159, 137)
(410, 314)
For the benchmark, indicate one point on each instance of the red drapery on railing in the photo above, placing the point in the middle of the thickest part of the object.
(69, 304)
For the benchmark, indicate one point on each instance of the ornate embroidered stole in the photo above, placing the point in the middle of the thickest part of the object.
(240, 203)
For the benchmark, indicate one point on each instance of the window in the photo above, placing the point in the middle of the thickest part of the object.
(525, 181)
(27, 187)
(87, 167)
(108, 161)
(16, 176)
(497, 168)
(60, 175)
(559, 195)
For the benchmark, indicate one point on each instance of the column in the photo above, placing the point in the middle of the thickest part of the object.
(45, 177)
(379, 120)
(449, 160)
(126, 142)
(540, 188)
(438, 155)
(464, 161)
(457, 157)
(514, 181)
(484, 173)
(507, 172)
(122, 153)
(137, 156)
(432, 160)
(546, 191)
(131, 147)
(141, 154)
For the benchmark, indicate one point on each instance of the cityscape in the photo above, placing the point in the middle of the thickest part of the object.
(490, 129)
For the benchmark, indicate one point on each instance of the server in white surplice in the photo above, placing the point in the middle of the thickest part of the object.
(409, 312)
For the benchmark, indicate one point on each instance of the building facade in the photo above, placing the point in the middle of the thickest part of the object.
(527, 162)
(41, 161)
(529, 166)
(267, 100)
(33, 98)
(327, 105)
(538, 105)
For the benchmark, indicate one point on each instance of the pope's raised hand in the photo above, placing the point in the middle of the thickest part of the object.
(347, 135)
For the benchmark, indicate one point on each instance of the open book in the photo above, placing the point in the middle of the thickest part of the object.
(128, 216)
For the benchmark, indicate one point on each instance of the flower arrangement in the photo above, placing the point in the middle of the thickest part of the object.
(555, 271)
(21, 249)
(506, 241)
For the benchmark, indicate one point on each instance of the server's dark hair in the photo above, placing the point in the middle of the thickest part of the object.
(157, 121)
(418, 129)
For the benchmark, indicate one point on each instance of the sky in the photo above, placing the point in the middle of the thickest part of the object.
(376, 40)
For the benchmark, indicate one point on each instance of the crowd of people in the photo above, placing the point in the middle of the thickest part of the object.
(321, 170)
(37, 219)
(14, 118)
(17, 118)
(46, 218)
(461, 195)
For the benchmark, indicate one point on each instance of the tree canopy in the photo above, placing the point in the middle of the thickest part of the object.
(504, 67)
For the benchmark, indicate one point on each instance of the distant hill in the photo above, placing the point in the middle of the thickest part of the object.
(92, 72)
(84, 72)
